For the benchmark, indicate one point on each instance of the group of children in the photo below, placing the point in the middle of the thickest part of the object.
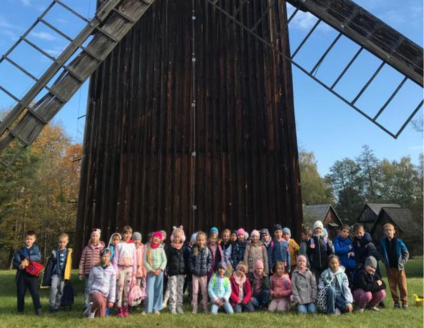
(238, 273)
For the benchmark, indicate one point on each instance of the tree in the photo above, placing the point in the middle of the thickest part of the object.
(370, 174)
(315, 190)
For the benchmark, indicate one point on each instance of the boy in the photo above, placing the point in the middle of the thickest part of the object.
(344, 250)
(280, 249)
(395, 255)
(293, 248)
(362, 244)
(125, 264)
(21, 259)
(305, 236)
(61, 271)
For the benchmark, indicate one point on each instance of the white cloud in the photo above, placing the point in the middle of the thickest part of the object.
(43, 36)
(26, 2)
(8, 29)
(305, 22)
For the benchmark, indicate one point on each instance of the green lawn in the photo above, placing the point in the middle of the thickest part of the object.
(388, 317)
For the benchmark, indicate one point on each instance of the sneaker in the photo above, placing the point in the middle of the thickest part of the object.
(173, 312)
(143, 313)
(373, 308)
(361, 310)
(404, 306)
(180, 310)
(397, 306)
(337, 312)
(156, 312)
(39, 313)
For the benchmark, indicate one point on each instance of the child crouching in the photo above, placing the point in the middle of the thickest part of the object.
(259, 281)
(304, 287)
(280, 289)
(219, 290)
(241, 291)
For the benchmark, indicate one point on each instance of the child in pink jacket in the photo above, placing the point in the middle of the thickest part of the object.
(141, 272)
(280, 289)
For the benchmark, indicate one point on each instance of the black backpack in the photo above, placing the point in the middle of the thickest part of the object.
(67, 296)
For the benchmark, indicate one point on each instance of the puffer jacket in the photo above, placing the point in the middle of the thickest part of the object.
(366, 282)
(237, 253)
(175, 261)
(319, 254)
(304, 287)
(200, 264)
(89, 258)
(256, 252)
(141, 270)
(342, 248)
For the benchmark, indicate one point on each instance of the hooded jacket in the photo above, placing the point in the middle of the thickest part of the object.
(342, 247)
(340, 283)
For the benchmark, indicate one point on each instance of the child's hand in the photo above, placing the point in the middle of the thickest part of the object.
(110, 305)
(312, 246)
(379, 282)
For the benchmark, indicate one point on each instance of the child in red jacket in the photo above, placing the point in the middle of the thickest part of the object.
(280, 289)
(241, 291)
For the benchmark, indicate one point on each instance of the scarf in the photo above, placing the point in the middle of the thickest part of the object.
(239, 280)
(177, 246)
(154, 246)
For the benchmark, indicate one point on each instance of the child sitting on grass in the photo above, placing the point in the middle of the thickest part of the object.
(259, 281)
(241, 291)
(281, 289)
(304, 287)
(219, 290)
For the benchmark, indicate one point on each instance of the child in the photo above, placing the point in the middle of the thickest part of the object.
(304, 287)
(293, 247)
(255, 250)
(141, 272)
(259, 281)
(368, 287)
(233, 237)
(189, 276)
(114, 240)
(305, 236)
(90, 257)
(339, 296)
(241, 291)
(395, 255)
(280, 290)
(280, 248)
(216, 251)
(125, 264)
(267, 241)
(239, 247)
(21, 259)
(219, 290)
(344, 250)
(176, 269)
(61, 271)
(226, 250)
(362, 243)
(102, 286)
(155, 263)
(200, 264)
(318, 250)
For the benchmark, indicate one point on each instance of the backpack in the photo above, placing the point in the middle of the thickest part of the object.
(67, 296)
(135, 296)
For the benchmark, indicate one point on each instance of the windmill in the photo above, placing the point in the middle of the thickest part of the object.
(190, 116)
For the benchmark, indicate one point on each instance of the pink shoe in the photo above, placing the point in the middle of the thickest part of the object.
(125, 311)
(120, 312)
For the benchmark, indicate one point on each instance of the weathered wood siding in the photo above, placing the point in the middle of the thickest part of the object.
(137, 162)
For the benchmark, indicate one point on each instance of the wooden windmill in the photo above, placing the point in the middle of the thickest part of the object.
(191, 118)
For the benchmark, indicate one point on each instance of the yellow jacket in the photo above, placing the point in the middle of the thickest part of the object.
(68, 266)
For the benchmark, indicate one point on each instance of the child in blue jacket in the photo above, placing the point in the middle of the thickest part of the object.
(344, 250)
(219, 290)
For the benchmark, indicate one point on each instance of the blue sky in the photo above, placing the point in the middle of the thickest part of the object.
(325, 125)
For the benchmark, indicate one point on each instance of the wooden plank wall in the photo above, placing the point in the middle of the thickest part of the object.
(137, 160)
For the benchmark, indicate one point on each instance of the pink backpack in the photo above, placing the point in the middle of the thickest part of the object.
(136, 296)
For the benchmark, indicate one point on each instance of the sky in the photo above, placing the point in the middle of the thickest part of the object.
(325, 125)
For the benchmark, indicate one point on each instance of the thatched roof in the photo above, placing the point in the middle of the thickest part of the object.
(312, 213)
(403, 218)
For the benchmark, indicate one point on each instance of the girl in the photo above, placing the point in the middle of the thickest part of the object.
(304, 287)
(259, 281)
(241, 291)
(89, 258)
(239, 247)
(200, 265)
(280, 248)
(293, 248)
(216, 251)
(176, 270)
(280, 289)
(102, 286)
(255, 251)
(318, 250)
(368, 287)
(155, 264)
(125, 264)
(114, 240)
(219, 290)
(226, 250)
(141, 272)
(339, 296)
(233, 237)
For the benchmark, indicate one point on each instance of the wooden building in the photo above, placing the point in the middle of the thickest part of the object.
(191, 121)
(325, 213)
(370, 213)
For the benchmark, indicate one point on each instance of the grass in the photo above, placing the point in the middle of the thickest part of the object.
(386, 318)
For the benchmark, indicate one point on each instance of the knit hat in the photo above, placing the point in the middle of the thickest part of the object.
(255, 233)
(264, 232)
(193, 238)
(287, 231)
(157, 234)
(259, 264)
(178, 230)
(318, 224)
(222, 265)
(96, 231)
(242, 267)
(241, 232)
(104, 251)
(278, 227)
(214, 229)
(371, 261)
(136, 235)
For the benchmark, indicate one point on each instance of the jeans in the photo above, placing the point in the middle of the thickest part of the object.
(239, 308)
(227, 307)
(261, 300)
(154, 293)
(306, 308)
(23, 282)
(56, 291)
(334, 302)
